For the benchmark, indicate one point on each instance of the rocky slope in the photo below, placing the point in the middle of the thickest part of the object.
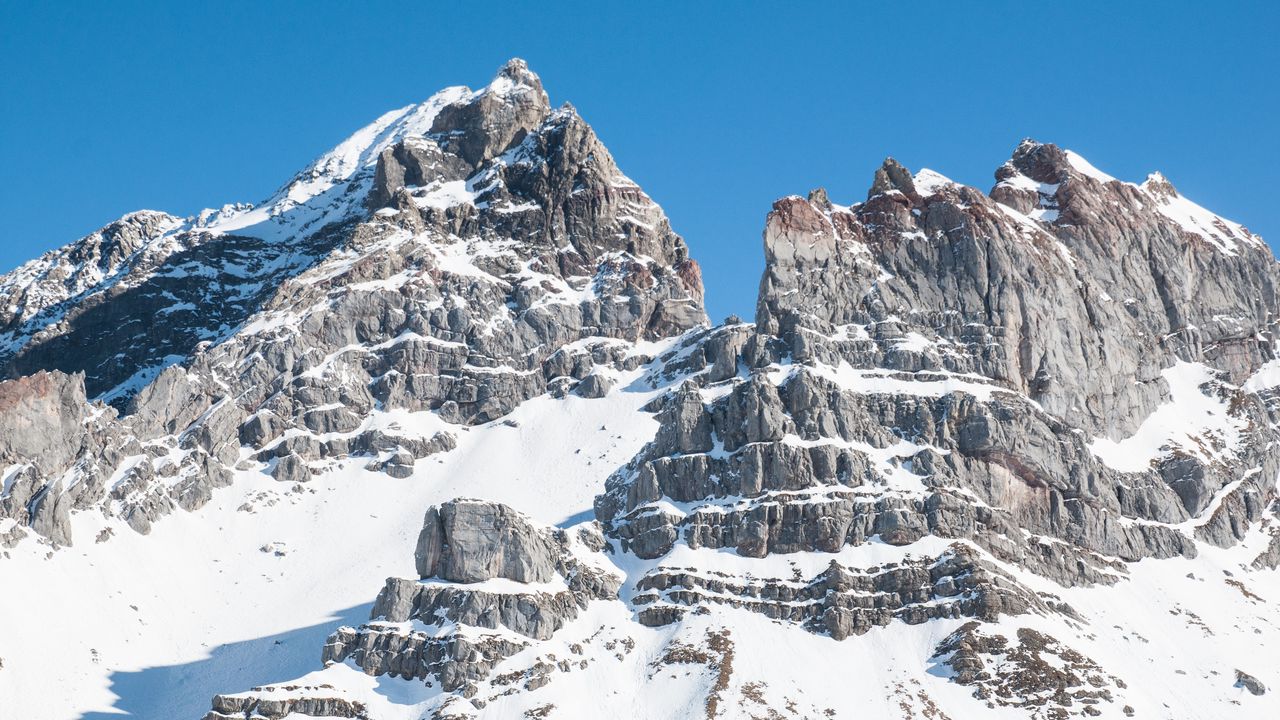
(1005, 453)
(455, 275)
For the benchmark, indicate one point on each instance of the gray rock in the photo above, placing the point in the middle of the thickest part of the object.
(464, 542)
(921, 283)
(51, 514)
(1250, 683)
(844, 602)
(594, 386)
(42, 418)
(470, 541)
(1037, 672)
(291, 469)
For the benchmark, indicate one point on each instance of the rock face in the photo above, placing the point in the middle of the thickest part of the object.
(47, 430)
(41, 418)
(935, 362)
(468, 542)
(1250, 683)
(843, 601)
(306, 701)
(1064, 284)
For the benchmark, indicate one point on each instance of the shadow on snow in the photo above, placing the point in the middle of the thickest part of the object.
(187, 689)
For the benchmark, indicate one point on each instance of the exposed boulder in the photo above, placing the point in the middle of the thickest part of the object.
(1250, 683)
(471, 541)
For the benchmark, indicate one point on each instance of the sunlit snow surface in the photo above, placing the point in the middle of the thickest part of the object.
(1191, 421)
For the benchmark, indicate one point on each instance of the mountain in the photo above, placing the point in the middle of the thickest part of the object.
(440, 430)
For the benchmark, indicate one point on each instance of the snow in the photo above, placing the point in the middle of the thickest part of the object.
(1264, 378)
(913, 342)
(1223, 234)
(503, 586)
(726, 561)
(445, 195)
(1195, 423)
(1022, 182)
(1150, 629)
(1183, 629)
(334, 186)
(1045, 214)
(1083, 167)
(932, 383)
(928, 182)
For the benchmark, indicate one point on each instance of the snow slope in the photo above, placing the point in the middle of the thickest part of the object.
(142, 625)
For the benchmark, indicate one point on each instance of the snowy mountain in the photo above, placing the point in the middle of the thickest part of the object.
(440, 430)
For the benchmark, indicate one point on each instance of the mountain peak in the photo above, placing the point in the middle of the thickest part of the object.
(1042, 162)
(1158, 185)
(444, 161)
(1048, 163)
(515, 76)
(892, 176)
(483, 124)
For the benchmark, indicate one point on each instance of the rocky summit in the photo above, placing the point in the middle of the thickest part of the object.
(441, 430)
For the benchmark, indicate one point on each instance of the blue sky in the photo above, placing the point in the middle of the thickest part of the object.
(715, 109)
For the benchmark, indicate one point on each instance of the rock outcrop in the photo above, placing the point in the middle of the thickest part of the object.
(550, 576)
(1036, 673)
(468, 542)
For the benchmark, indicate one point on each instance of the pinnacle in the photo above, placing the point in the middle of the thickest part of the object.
(1158, 185)
(516, 72)
(892, 176)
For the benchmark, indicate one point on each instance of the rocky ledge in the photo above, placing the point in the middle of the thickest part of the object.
(482, 567)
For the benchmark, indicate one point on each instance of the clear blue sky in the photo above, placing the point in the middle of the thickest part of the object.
(716, 112)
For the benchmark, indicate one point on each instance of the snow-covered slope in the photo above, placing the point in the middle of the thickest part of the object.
(440, 430)
(243, 591)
